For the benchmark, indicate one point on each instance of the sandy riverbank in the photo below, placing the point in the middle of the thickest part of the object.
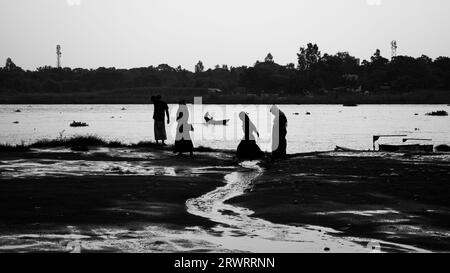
(135, 199)
(49, 191)
(395, 198)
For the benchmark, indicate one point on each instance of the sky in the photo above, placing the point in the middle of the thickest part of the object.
(140, 33)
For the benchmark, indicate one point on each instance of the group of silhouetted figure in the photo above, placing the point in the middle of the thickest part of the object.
(248, 149)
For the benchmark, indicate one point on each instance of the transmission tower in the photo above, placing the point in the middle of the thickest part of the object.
(58, 56)
(394, 49)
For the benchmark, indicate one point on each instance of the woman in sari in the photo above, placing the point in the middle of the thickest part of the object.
(279, 132)
(248, 149)
(183, 141)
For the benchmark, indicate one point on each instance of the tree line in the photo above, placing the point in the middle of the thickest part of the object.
(314, 73)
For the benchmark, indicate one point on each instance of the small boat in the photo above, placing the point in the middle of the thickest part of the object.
(79, 124)
(406, 148)
(344, 149)
(211, 121)
(218, 122)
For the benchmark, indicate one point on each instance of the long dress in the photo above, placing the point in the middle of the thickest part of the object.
(183, 141)
(279, 132)
(159, 126)
(248, 149)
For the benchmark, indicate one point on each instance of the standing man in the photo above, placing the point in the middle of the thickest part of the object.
(161, 109)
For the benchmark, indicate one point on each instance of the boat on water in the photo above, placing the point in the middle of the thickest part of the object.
(396, 148)
(403, 148)
(79, 124)
(218, 122)
(345, 149)
(211, 121)
(406, 148)
(393, 148)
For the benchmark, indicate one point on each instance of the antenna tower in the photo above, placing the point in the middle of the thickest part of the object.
(58, 56)
(394, 49)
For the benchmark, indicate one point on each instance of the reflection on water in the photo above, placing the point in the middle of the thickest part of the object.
(326, 127)
(55, 168)
(240, 231)
(367, 213)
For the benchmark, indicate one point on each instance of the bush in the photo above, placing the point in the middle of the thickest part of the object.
(4, 148)
(443, 148)
(440, 113)
(76, 141)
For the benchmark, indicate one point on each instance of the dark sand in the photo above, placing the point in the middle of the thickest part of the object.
(113, 195)
(401, 199)
(393, 198)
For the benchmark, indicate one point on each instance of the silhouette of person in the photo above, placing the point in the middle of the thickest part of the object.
(248, 149)
(183, 141)
(161, 109)
(279, 132)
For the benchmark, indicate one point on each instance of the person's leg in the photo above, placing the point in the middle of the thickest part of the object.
(155, 131)
(284, 147)
(160, 132)
(163, 133)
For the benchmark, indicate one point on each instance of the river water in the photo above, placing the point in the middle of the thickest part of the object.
(325, 127)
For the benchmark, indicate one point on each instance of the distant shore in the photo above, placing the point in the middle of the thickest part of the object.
(142, 96)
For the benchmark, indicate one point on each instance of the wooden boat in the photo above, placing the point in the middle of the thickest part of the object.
(218, 122)
(406, 148)
(211, 121)
(79, 124)
(344, 149)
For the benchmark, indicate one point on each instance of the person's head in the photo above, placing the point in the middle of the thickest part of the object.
(243, 116)
(153, 99)
(275, 110)
(158, 97)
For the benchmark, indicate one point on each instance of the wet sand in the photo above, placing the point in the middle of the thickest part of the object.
(391, 197)
(148, 200)
(50, 191)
